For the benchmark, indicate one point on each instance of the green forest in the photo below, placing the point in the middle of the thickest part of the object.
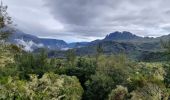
(28, 76)
(36, 76)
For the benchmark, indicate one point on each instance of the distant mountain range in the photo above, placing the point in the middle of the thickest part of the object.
(123, 42)
(30, 42)
(115, 42)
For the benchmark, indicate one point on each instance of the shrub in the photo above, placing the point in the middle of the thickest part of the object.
(49, 87)
(120, 93)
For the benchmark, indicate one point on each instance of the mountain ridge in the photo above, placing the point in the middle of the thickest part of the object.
(121, 36)
(32, 42)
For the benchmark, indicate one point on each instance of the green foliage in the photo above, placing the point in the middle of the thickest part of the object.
(150, 92)
(6, 55)
(167, 75)
(166, 45)
(15, 49)
(70, 55)
(116, 66)
(146, 73)
(154, 56)
(99, 50)
(8, 70)
(111, 71)
(49, 87)
(98, 87)
(111, 77)
(28, 63)
(83, 69)
(118, 70)
(120, 93)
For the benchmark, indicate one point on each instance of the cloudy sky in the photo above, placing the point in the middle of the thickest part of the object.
(86, 20)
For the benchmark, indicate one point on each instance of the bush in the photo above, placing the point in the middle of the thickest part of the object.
(150, 91)
(120, 93)
(49, 87)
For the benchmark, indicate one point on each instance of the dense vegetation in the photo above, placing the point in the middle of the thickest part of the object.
(36, 76)
(114, 77)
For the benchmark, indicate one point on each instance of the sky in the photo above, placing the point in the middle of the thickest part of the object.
(87, 20)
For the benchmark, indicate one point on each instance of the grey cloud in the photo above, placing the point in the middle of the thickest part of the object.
(90, 19)
(97, 17)
(78, 12)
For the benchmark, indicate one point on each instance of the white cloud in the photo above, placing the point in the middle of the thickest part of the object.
(29, 45)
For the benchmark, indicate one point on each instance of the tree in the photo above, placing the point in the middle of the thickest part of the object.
(99, 50)
(71, 56)
(116, 66)
(98, 87)
(28, 63)
(83, 69)
(5, 20)
(111, 71)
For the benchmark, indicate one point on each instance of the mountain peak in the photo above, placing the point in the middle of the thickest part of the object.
(125, 35)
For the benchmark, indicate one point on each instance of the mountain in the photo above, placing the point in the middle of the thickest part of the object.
(30, 42)
(53, 43)
(123, 42)
(115, 36)
(113, 43)
(129, 37)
